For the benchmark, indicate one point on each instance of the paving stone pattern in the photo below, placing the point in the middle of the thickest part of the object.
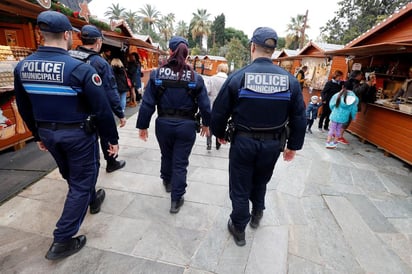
(347, 210)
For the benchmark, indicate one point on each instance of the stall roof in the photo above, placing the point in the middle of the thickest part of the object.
(374, 49)
(384, 26)
(113, 37)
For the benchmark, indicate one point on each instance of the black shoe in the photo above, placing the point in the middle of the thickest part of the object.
(175, 206)
(114, 165)
(238, 236)
(95, 206)
(209, 147)
(168, 186)
(218, 144)
(309, 130)
(255, 219)
(62, 250)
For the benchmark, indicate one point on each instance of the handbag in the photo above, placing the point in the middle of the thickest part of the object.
(129, 81)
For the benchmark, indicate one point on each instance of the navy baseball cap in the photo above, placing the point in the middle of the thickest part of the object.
(261, 34)
(90, 31)
(53, 21)
(175, 41)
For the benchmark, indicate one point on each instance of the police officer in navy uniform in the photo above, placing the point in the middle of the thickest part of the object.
(57, 95)
(92, 40)
(178, 92)
(261, 99)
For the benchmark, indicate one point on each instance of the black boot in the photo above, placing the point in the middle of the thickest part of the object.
(113, 165)
(238, 236)
(62, 250)
(168, 186)
(256, 217)
(97, 203)
(175, 206)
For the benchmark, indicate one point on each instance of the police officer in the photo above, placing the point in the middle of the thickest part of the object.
(261, 99)
(55, 95)
(92, 40)
(177, 91)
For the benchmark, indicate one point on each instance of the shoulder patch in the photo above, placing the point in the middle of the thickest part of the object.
(96, 80)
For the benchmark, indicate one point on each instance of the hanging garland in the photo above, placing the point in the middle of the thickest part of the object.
(57, 6)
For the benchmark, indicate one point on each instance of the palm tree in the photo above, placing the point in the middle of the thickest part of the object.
(114, 12)
(296, 30)
(182, 28)
(165, 26)
(201, 25)
(132, 20)
(150, 17)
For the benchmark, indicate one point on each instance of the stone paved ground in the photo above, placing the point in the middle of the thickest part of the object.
(329, 211)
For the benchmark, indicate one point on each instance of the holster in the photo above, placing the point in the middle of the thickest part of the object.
(230, 131)
(198, 122)
(284, 136)
(90, 124)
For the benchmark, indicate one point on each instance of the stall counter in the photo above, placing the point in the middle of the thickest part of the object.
(389, 129)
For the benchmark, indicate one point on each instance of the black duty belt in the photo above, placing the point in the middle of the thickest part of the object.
(57, 126)
(176, 113)
(259, 135)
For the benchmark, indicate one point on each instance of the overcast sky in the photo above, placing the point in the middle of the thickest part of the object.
(245, 16)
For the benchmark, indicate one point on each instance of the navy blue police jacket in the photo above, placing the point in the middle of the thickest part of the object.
(261, 96)
(104, 69)
(51, 86)
(176, 98)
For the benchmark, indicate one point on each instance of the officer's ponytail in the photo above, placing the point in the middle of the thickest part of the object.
(177, 60)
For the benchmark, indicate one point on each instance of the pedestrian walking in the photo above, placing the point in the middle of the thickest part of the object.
(56, 96)
(344, 106)
(177, 92)
(92, 40)
(260, 99)
(134, 70)
(331, 87)
(312, 112)
(123, 81)
(301, 76)
(213, 87)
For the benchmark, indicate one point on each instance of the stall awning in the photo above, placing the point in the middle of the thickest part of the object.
(375, 49)
(114, 39)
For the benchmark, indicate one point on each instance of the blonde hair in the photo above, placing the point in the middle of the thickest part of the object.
(223, 67)
(116, 62)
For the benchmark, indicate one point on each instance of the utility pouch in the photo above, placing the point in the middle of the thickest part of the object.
(90, 124)
(198, 122)
(230, 131)
(284, 136)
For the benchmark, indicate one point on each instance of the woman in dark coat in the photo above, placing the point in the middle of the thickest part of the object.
(134, 70)
(121, 80)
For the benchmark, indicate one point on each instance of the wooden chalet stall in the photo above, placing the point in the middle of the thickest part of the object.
(386, 49)
(19, 37)
(313, 56)
(286, 59)
(206, 64)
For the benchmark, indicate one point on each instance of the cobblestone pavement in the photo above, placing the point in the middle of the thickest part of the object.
(347, 210)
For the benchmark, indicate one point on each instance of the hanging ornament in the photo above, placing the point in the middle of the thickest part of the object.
(84, 10)
(45, 3)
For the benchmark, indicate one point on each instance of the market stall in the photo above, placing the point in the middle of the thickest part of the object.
(386, 50)
(19, 37)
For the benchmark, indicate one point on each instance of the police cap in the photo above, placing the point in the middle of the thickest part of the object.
(53, 21)
(90, 31)
(175, 41)
(261, 34)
